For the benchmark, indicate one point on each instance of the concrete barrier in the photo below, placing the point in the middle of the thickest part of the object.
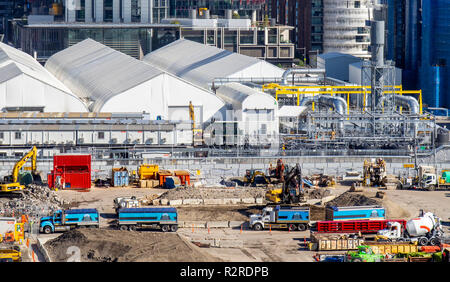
(217, 224)
(195, 224)
(213, 201)
(231, 201)
(175, 202)
(237, 224)
(192, 201)
(259, 200)
(164, 202)
(43, 251)
(248, 200)
(156, 202)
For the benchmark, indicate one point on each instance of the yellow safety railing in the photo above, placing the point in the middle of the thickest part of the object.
(332, 90)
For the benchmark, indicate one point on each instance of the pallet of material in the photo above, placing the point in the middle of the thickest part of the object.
(334, 243)
(143, 183)
(392, 248)
(152, 183)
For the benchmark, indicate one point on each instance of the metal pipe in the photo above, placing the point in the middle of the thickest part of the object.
(300, 71)
(404, 101)
(217, 82)
(337, 103)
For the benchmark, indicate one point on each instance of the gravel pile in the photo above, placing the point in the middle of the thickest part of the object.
(213, 193)
(37, 200)
(348, 199)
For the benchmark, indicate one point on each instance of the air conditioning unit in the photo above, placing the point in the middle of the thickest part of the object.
(137, 141)
(149, 141)
(163, 140)
(80, 140)
(113, 140)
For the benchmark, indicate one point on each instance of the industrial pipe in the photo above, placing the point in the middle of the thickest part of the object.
(217, 82)
(337, 103)
(404, 101)
(299, 71)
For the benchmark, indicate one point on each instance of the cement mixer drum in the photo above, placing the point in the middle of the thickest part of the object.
(420, 226)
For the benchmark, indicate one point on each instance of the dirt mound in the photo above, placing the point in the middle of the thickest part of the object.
(347, 199)
(103, 245)
(317, 193)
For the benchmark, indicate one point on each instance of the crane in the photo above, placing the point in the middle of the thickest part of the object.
(12, 183)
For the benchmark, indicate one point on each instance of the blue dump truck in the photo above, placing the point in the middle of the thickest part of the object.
(355, 213)
(298, 218)
(292, 217)
(164, 217)
(64, 220)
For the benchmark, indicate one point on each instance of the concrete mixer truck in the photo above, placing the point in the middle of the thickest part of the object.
(425, 230)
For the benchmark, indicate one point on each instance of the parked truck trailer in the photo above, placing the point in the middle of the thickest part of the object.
(165, 218)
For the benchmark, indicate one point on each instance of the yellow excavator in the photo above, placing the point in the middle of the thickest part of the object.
(11, 182)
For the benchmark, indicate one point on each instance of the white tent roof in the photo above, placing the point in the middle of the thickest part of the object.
(291, 111)
(96, 72)
(236, 94)
(14, 62)
(200, 63)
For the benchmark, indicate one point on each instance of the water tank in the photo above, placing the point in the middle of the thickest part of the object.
(420, 226)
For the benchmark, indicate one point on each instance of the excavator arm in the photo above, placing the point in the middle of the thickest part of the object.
(31, 154)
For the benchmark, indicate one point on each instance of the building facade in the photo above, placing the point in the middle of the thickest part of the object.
(245, 8)
(418, 40)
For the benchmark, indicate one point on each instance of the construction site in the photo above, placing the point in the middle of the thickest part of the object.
(199, 154)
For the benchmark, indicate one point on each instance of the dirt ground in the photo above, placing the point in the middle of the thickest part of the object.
(101, 245)
(256, 246)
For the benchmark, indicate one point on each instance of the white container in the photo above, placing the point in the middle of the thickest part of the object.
(420, 226)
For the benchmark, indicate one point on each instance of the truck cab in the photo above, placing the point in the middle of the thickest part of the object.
(257, 221)
(64, 220)
(392, 232)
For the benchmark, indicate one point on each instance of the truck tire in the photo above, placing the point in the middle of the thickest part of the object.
(47, 229)
(434, 241)
(165, 228)
(301, 227)
(173, 228)
(132, 227)
(423, 241)
(257, 227)
(123, 227)
(292, 227)
(431, 188)
(357, 260)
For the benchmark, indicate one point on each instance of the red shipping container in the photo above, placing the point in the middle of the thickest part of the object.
(71, 172)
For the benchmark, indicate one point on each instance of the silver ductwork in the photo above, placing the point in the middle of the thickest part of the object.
(217, 82)
(337, 103)
(300, 71)
(403, 101)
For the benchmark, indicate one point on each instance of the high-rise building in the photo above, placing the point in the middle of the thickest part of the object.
(418, 39)
(181, 8)
(344, 27)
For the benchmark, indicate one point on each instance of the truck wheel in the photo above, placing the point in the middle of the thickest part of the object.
(292, 227)
(132, 227)
(435, 242)
(123, 227)
(423, 241)
(431, 188)
(47, 230)
(357, 260)
(165, 228)
(174, 228)
(257, 227)
(301, 227)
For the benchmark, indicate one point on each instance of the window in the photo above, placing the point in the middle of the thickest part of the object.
(101, 135)
(18, 135)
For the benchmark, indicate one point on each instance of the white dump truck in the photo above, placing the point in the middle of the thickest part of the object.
(425, 230)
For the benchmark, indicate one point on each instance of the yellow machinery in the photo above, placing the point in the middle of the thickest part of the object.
(13, 235)
(251, 175)
(374, 172)
(148, 171)
(10, 255)
(12, 183)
